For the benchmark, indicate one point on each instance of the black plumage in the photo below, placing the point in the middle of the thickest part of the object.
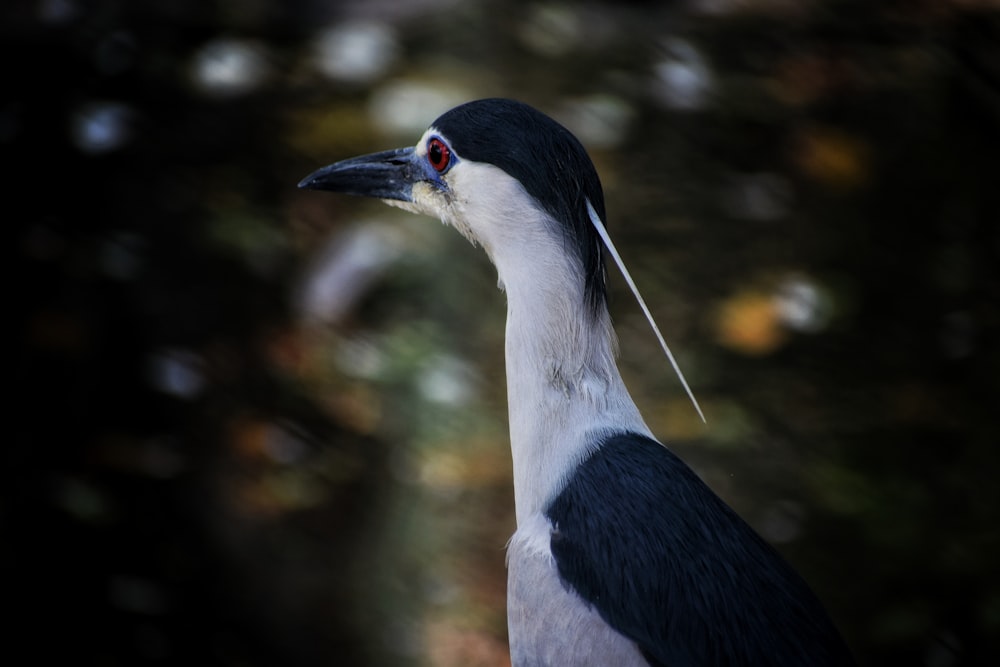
(549, 162)
(696, 585)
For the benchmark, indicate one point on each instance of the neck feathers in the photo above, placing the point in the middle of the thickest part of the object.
(564, 389)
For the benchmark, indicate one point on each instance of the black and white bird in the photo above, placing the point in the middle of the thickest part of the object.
(622, 556)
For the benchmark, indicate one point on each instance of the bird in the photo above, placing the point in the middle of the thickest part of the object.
(621, 556)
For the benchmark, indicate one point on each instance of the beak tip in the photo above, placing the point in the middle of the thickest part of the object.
(310, 182)
(385, 175)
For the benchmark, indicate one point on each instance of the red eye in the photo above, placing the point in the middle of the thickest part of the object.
(438, 154)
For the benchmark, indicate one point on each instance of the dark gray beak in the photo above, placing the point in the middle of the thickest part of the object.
(386, 175)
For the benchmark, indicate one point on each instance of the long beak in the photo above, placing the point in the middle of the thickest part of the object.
(386, 175)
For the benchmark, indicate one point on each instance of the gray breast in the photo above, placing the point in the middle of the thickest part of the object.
(550, 625)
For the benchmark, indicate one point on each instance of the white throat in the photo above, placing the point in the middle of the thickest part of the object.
(564, 391)
(563, 388)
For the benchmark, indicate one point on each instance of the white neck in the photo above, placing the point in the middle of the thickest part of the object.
(563, 387)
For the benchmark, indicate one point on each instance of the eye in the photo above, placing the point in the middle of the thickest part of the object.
(439, 155)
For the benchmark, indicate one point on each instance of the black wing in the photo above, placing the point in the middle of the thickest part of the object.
(668, 564)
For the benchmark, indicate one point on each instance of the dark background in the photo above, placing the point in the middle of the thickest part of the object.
(202, 470)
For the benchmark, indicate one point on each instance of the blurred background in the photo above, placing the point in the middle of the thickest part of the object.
(258, 426)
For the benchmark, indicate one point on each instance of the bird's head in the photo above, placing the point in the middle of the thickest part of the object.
(504, 174)
(513, 180)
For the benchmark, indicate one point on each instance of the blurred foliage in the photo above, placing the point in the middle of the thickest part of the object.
(203, 470)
